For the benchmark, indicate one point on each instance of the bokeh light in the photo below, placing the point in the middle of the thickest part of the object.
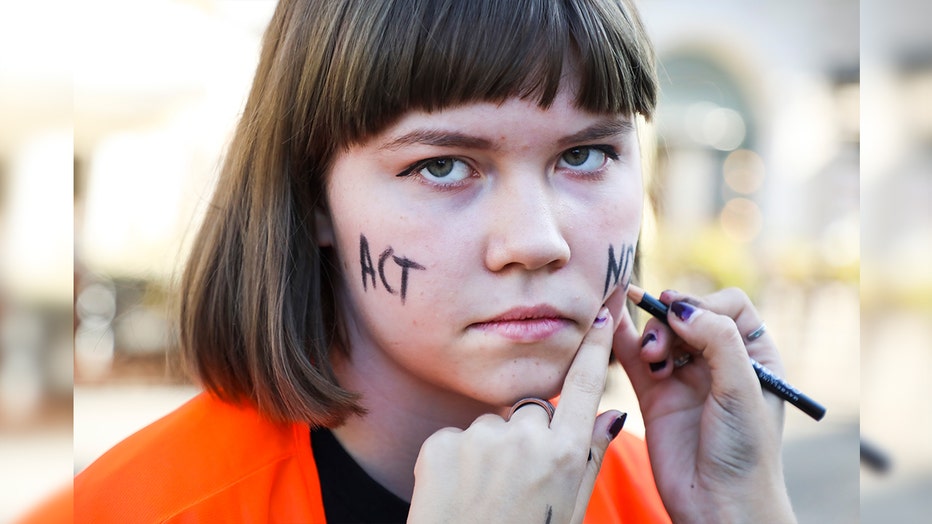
(741, 219)
(744, 171)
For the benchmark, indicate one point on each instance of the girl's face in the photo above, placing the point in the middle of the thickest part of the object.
(477, 244)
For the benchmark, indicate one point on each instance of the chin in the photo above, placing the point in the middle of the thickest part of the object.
(519, 378)
(544, 388)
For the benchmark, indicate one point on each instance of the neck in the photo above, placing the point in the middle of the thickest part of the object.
(386, 441)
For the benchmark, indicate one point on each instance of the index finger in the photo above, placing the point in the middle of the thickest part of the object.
(585, 380)
(734, 303)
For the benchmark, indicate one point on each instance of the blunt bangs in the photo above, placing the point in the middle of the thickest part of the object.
(259, 313)
(390, 57)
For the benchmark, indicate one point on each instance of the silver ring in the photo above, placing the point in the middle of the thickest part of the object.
(682, 360)
(757, 333)
(548, 407)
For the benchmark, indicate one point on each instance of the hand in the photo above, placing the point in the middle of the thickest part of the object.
(714, 436)
(522, 470)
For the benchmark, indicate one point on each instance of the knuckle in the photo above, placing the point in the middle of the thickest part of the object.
(570, 456)
(736, 294)
(722, 330)
(439, 440)
(488, 419)
(743, 302)
(526, 435)
(437, 446)
(731, 299)
(483, 429)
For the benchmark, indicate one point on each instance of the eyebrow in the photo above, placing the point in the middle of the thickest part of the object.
(439, 138)
(607, 128)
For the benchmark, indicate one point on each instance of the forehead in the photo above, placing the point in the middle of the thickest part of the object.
(446, 53)
(441, 127)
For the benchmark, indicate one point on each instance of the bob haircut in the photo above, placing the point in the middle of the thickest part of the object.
(258, 316)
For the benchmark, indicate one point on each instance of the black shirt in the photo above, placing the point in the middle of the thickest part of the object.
(349, 494)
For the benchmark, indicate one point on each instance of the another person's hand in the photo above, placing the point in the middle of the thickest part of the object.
(527, 468)
(714, 436)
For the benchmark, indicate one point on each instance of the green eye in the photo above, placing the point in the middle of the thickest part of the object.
(439, 168)
(583, 158)
(576, 156)
(443, 171)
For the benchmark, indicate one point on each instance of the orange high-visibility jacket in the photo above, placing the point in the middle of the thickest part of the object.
(210, 461)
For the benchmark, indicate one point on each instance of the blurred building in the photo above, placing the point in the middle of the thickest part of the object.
(758, 137)
(152, 116)
(896, 282)
(36, 232)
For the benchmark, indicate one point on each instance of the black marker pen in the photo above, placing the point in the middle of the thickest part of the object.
(768, 380)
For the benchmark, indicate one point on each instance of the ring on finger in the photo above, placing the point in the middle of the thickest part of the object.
(757, 333)
(682, 360)
(548, 407)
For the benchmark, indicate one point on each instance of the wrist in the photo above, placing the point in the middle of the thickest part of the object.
(775, 509)
(744, 502)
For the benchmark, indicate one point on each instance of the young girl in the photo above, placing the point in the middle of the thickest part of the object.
(425, 226)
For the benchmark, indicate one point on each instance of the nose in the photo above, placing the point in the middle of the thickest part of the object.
(525, 229)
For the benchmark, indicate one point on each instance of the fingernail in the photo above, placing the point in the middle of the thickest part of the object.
(683, 310)
(657, 366)
(616, 426)
(648, 338)
(602, 319)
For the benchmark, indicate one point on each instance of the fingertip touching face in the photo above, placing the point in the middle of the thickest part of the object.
(478, 242)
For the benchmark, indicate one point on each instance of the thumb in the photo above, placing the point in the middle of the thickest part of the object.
(607, 426)
(626, 346)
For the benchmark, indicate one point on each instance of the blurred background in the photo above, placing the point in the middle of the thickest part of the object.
(791, 156)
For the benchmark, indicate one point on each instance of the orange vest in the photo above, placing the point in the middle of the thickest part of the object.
(210, 461)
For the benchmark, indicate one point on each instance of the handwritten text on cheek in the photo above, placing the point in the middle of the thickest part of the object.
(369, 269)
(619, 269)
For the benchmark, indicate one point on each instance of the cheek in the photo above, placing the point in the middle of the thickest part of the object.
(612, 243)
(379, 266)
(400, 270)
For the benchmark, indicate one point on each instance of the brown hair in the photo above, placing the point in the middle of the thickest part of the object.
(258, 315)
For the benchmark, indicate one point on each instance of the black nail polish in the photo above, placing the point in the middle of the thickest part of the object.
(657, 366)
(616, 426)
(682, 310)
(648, 338)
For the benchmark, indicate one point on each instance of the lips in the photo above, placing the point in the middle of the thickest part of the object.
(526, 324)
